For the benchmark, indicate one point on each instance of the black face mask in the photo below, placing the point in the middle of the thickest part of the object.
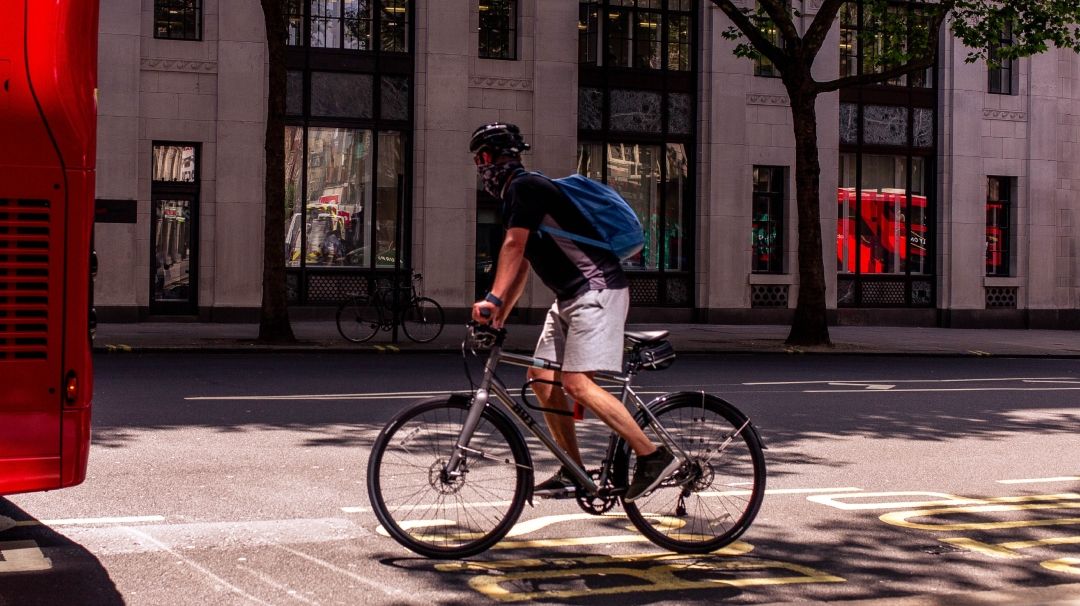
(494, 176)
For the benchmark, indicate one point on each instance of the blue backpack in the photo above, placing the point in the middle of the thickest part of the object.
(610, 215)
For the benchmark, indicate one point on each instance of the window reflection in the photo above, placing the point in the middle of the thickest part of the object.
(634, 171)
(882, 228)
(174, 163)
(336, 217)
(675, 187)
(391, 179)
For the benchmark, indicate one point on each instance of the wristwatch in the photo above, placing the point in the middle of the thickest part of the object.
(496, 301)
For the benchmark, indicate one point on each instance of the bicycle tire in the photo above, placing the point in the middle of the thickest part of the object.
(487, 499)
(423, 320)
(358, 319)
(700, 424)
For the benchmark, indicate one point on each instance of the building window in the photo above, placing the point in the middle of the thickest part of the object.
(768, 220)
(349, 24)
(999, 226)
(178, 19)
(864, 56)
(639, 34)
(174, 197)
(498, 29)
(1001, 68)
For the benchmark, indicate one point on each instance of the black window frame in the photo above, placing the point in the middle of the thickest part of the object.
(176, 190)
(188, 20)
(775, 199)
(386, 20)
(497, 43)
(308, 282)
(672, 287)
(595, 38)
(1000, 77)
(919, 288)
(1006, 186)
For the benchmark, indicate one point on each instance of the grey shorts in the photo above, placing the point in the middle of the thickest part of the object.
(585, 334)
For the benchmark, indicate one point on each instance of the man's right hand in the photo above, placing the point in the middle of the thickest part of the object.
(484, 312)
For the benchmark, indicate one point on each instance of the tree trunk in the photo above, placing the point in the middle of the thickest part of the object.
(274, 324)
(810, 325)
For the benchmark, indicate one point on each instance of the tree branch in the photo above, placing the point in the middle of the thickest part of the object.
(752, 33)
(780, 13)
(922, 62)
(819, 28)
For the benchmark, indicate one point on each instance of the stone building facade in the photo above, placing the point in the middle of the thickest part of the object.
(951, 204)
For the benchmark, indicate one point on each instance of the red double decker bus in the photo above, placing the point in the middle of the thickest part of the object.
(48, 113)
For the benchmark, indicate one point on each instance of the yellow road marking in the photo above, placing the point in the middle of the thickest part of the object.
(660, 577)
(1001, 504)
(22, 556)
(1008, 549)
(1069, 565)
(938, 499)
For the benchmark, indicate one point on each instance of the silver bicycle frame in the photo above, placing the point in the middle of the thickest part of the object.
(488, 387)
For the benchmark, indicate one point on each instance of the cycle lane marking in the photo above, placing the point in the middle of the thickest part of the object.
(944, 505)
(92, 521)
(653, 573)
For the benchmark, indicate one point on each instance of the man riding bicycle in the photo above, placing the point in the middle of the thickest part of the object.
(583, 330)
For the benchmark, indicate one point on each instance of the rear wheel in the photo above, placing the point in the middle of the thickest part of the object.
(714, 497)
(436, 515)
(358, 319)
(422, 321)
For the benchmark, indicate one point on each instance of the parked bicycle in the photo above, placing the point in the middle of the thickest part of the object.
(359, 317)
(448, 477)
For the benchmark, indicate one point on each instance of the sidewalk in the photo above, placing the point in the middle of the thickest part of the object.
(687, 338)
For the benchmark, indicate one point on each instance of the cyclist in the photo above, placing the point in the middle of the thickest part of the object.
(583, 330)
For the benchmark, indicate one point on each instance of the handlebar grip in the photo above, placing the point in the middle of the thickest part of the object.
(485, 313)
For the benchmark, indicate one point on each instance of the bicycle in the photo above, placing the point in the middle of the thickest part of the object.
(448, 477)
(359, 317)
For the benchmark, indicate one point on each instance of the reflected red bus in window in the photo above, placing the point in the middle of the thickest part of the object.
(48, 79)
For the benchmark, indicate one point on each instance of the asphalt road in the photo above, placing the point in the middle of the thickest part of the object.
(239, 479)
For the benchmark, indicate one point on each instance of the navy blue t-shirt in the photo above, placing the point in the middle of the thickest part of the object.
(567, 267)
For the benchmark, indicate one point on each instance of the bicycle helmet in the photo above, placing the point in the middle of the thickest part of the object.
(499, 139)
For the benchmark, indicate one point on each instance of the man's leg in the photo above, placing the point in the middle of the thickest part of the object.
(561, 426)
(580, 387)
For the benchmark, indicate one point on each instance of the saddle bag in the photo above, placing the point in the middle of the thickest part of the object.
(657, 356)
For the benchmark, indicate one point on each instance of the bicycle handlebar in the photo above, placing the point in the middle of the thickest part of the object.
(484, 336)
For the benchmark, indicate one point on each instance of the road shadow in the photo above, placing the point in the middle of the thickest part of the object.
(39, 566)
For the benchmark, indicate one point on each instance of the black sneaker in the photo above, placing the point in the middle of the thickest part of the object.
(649, 471)
(559, 486)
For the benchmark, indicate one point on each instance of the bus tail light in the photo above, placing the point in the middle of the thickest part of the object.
(71, 387)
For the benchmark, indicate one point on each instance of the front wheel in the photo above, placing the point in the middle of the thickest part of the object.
(423, 320)
(713, 498)
(358, 319)
(440, 515)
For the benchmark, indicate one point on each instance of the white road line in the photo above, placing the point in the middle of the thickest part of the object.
(771, 491)
(92, 521)
(267, 579)
(352, 575)
(142, 535)
(942, 390)
(1041, 480)
(863, 382)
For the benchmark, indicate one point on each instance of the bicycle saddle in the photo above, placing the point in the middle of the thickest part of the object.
(645, 336)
